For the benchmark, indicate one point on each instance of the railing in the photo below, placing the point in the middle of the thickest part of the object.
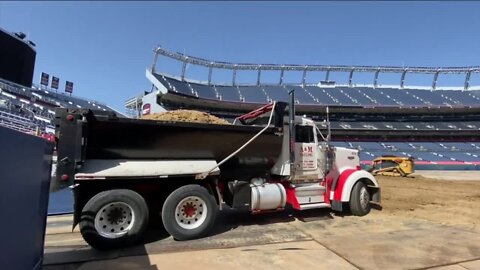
(17, 122)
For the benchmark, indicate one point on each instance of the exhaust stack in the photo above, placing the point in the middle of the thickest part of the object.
(291, 126)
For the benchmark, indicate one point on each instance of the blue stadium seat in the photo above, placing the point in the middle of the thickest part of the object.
(302, 95)
(36, 106)
(178, 86)
(429, 96)
(361, 97)
(370, 146)
(402, 96)
(253, 94)
(366, 156)
(464, 98)
(340, 144)
(338, 94)
(422, 151)
(322, 96)
(459, 156)
(429, 156)
(378, 96)
(228, 93)
(277, 93)
(401, 146)
(457, 146)
(475, 125)
(204, 91)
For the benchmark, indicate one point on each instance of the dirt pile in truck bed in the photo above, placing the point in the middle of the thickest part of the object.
(187, 116)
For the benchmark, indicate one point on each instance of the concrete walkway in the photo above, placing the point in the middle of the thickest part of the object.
(294, 255)
(290, 240)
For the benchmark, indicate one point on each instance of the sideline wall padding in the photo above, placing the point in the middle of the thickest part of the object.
(25, 167)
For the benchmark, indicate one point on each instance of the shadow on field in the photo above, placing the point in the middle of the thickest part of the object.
(230, 219)
(232, 228)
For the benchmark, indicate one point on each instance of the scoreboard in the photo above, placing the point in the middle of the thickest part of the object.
(17, 59)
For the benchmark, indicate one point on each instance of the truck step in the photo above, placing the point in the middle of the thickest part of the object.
(313, 206)
(309, 188)
(310, 193)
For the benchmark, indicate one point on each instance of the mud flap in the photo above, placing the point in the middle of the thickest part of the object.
(376, 197)
(375, 193)
(337, 205)
(76, 208)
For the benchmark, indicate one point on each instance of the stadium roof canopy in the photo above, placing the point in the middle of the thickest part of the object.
(210, 64)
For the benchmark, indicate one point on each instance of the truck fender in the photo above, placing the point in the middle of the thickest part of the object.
(347, 180)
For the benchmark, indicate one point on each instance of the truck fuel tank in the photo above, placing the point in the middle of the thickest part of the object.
(268, 196)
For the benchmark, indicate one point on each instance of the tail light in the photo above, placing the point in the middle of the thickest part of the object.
(65, 177)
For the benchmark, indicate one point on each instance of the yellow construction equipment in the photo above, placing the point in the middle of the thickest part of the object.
(392, 166)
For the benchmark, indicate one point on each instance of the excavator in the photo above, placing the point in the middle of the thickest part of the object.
(392, 166)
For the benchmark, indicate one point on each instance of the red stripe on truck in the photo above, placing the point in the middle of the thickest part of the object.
(337, 195)
(292, 197)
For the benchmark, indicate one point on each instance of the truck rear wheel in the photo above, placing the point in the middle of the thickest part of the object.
(114, 219)
(189, 212)
(360, 200)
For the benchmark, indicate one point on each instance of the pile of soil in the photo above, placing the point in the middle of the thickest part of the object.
(447, 202)
(187, 116)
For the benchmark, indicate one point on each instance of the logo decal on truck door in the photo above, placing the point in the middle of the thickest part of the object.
(305, 148)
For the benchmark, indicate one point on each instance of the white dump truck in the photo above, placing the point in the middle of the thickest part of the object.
(127, 172)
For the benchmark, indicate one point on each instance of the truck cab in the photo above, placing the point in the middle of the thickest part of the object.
(310, 152)
(313, 169)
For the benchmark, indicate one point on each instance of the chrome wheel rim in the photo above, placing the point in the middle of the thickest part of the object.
(114, 220)
(191, 212)
(364, 197)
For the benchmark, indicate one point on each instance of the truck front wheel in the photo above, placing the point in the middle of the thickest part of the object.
(189, 212)
(114, 219)
(360, 200)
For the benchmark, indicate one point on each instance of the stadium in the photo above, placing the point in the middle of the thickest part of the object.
(438, 127)
(26, 106)
(30, 108)
(101, 180)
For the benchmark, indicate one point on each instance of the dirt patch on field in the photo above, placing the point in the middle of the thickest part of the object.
(446, 202)
(187, 116)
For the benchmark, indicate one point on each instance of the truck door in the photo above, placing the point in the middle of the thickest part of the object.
(305, 148)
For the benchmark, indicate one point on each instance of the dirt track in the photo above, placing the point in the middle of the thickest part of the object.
(446, 202)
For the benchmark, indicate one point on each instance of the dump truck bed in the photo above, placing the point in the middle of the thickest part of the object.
(86, 135)
(149, 139)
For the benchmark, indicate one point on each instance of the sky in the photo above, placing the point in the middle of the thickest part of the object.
(105, 47)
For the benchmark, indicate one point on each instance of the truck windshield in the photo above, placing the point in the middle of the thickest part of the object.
(320, 136)
(304, 134)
